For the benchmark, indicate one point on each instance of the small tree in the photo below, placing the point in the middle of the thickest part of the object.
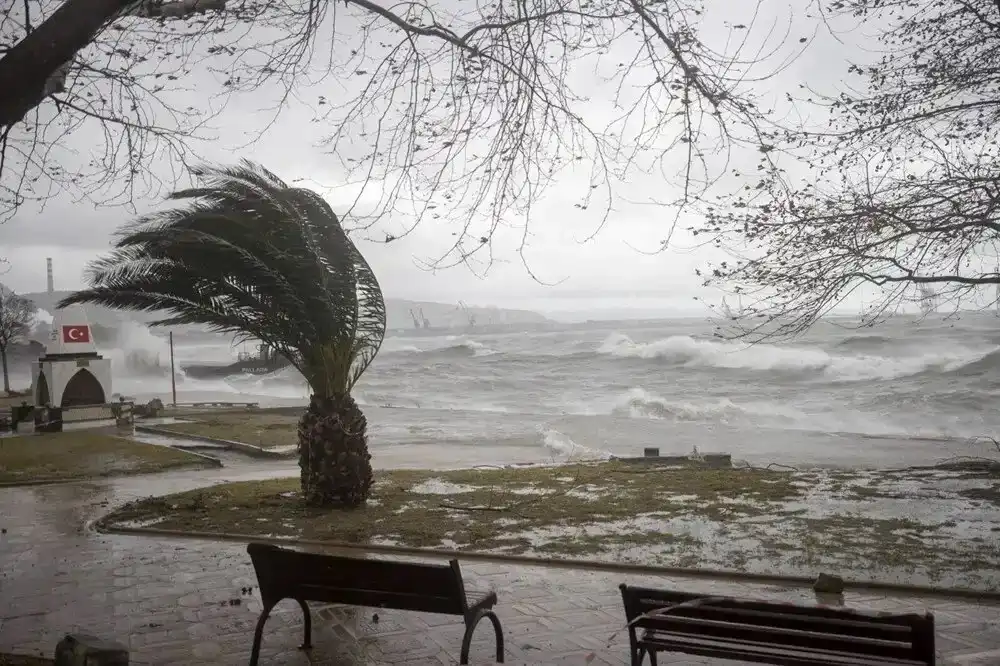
(16, 316)
(252, 256)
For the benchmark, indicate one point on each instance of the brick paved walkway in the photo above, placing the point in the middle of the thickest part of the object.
(182, 602)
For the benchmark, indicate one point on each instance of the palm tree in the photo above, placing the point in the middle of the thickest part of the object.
(249, 255)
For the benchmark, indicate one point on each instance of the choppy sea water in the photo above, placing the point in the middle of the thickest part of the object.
(907, 392)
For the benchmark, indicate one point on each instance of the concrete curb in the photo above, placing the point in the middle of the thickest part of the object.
(48, 482)
(525, 560)
(215, 462)
(249, 449)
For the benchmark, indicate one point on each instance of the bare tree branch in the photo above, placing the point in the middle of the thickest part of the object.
(465, 113)
(28, 64)
(901, 192)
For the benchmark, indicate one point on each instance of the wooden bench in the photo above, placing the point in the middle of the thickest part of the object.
(431, 588)
(772, 633)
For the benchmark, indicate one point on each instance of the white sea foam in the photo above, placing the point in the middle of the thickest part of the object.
(451, 344)
(462, 343)
(285, 383)
(441, 487)
(688, 351)
(565, 449)
(639, 403)
(136, 351)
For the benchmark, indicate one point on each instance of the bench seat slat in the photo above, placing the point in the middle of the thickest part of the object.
(780, 636)
(646, 599)
(778, 618)
(763, 652)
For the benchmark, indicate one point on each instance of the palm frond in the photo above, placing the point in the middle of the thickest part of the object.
(370, 322)
(251, 256)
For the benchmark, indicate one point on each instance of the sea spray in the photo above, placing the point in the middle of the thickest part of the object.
(285, 383)
(640, 403)
(564, 449)
(452, 345)
(137, 352)
(688, 351)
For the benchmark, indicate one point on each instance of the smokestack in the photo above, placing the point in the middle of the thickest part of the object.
(48, 270)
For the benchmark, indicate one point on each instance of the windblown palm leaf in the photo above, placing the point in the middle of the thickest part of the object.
(252, 256)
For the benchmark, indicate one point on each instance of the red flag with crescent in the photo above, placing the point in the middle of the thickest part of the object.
(76, 333)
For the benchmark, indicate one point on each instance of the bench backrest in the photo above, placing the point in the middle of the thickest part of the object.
(909, 636)
(283, 573)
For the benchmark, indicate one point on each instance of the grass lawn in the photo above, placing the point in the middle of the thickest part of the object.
(261, 428)
(83, 454)
(932, 527)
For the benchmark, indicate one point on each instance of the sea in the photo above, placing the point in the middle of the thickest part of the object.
(910, 391)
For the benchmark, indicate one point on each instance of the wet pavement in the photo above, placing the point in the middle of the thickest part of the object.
(185, 602)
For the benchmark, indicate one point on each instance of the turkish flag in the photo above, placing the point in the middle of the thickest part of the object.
(76, 333)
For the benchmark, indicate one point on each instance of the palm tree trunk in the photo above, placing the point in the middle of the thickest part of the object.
(335, 463)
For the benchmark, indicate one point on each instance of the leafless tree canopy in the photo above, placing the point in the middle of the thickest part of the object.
(16, 316)
(899, 190)
(461, 110)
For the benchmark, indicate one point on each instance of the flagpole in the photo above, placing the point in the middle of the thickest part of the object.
(173, 375)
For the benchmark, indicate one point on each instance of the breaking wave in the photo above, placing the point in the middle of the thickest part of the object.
(454, 346)
(987, 364)
(564, 449)
(639, 403)
(691, 352)
(865, 341)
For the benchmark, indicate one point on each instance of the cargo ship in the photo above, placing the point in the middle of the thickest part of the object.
(264, 362)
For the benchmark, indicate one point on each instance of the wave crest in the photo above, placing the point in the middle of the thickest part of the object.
(865, 341)
(639, 403)
(687, 351)
(454, 346)
(565, 449)
(986, 364)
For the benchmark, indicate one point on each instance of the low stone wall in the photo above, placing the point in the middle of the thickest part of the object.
(249, 449)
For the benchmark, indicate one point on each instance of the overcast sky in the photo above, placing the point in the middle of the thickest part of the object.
(604, 273)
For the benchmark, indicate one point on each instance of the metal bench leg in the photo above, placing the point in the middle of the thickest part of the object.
(652, 657)
(635, 652)
(470, 628)
(258, 634)
(498, 630)
(307, 619)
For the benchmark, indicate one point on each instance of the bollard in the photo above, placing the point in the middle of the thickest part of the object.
(828, 584)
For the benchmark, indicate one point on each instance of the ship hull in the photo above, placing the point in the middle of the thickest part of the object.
(239, 368)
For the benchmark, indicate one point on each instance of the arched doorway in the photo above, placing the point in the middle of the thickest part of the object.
(83, 389)
(43, 390)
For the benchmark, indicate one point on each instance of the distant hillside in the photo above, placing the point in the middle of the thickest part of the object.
(398, 313)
